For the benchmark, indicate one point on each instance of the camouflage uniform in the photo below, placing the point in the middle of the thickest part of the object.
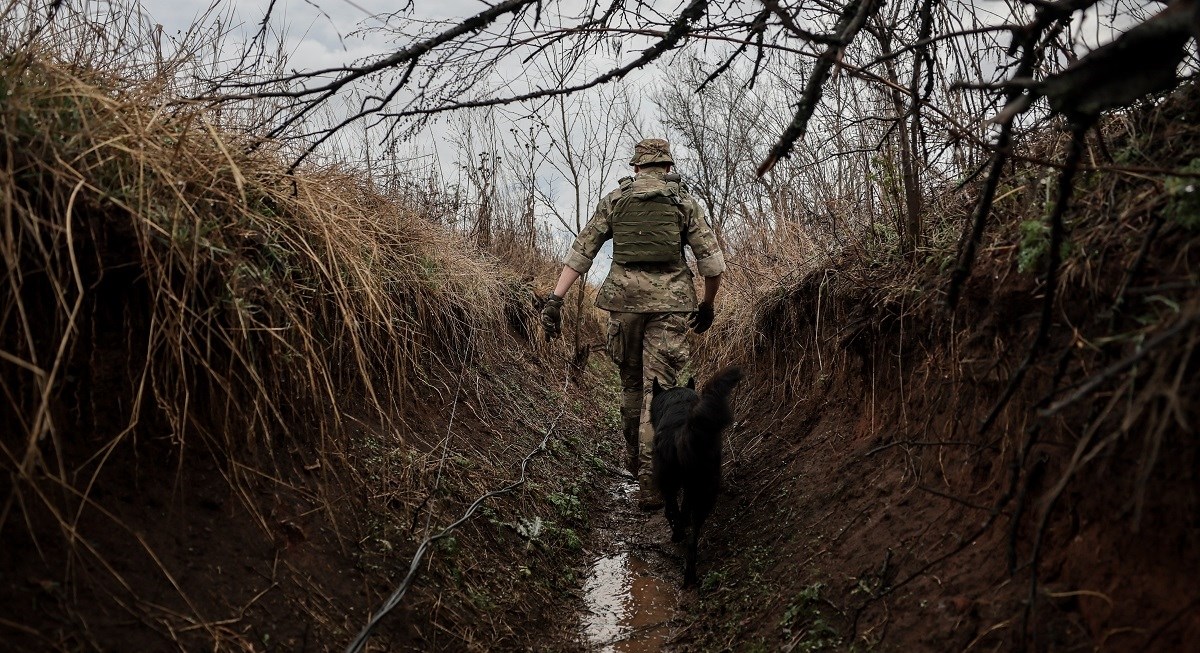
(648, 303)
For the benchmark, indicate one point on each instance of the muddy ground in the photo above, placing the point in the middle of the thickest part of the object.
(858, 513)
(632, 602)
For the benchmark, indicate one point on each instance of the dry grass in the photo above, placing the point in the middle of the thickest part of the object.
(167, 281)
(264, 289)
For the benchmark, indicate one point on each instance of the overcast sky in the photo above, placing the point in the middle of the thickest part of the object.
(317, 34)
(322, 32)
(326, 33)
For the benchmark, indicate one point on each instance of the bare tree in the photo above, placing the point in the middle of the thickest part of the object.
(829, 63)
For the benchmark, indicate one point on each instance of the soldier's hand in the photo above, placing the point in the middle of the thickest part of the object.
(552, 316)
(702, 318)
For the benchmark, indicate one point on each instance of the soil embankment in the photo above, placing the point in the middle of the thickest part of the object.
(235, 399)
(881, 494)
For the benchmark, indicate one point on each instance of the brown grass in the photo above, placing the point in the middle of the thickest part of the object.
(166, 282)
(266, 289)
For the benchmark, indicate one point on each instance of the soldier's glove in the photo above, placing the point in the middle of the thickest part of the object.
(702, 318)
(552, 316)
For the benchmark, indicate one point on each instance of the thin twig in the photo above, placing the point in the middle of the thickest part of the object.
(415, 565)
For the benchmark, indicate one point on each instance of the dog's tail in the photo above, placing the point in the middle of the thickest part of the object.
(722, 383)
(713, 407)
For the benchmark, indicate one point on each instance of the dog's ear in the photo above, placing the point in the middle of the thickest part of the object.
(655, 388)
(692, 383)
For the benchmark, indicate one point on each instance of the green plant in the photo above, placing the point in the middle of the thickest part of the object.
(611, 420)
(567, 505)
(1183, 198)
(481, 599)
(1035, 240)
(805, 626)
(758, 647)
(712, 580)
(463, 461)
(1035, 244)
(567, 537)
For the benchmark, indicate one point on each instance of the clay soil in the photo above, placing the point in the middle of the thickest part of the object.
(167, 553)
(865, 509)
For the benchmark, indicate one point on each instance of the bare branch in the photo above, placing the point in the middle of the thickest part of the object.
(853, 17)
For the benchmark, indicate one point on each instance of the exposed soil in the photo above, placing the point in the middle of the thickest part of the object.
(168, 556)
(868, 510)
(865, 514)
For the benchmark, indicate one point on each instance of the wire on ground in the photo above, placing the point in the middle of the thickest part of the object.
(398, 595)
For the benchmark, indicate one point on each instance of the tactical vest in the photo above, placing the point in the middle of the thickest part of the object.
(647, 222)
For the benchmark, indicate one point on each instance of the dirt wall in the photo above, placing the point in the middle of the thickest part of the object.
(881, 493)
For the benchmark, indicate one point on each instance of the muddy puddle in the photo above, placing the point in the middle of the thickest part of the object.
(630, 595)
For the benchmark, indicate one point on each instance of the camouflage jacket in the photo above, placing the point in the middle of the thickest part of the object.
(648, 287)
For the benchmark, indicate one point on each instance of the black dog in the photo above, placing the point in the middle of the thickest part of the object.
(687, 453)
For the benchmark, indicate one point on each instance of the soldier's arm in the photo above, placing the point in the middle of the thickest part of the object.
(710, 262)
(587, 244)
(711, 286)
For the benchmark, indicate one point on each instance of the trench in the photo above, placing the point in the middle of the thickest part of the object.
(631, 595)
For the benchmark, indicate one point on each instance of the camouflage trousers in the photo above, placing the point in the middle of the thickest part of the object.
(646, 346)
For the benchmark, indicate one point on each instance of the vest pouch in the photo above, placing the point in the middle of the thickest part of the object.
(615, 343)
(647, 227)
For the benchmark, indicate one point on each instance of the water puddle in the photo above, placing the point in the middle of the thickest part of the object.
(627, 606)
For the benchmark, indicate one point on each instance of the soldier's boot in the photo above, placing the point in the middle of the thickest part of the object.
(649, 498)
(631, 445)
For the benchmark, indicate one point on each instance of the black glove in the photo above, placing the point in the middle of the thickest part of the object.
(552, 316)
(702, 318)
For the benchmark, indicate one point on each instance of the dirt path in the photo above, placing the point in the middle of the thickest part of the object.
(631, 595)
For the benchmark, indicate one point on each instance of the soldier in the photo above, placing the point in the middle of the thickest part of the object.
(648, 293)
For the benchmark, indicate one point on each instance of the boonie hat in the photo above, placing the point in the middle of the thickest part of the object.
(651, 150)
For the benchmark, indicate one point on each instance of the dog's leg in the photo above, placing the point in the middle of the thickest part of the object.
(673, 517)
(685, 517)
(689, 567)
